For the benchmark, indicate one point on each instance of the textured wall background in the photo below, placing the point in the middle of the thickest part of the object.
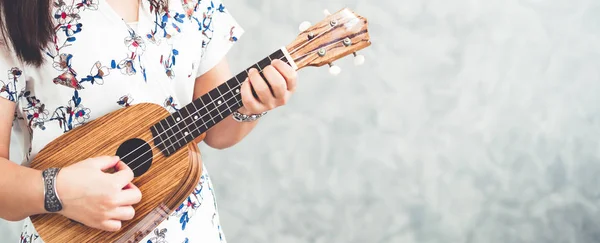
(472, 121)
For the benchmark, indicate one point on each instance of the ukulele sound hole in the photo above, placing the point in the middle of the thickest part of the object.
(137, 154)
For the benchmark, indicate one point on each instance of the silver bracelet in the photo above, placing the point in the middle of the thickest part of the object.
(52, 203)
(239, 117)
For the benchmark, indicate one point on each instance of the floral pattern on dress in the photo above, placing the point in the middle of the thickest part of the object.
(67, 20)
(69, 70)
(68, 117)
(158, 236)
(125, 101)
(187, 209)
(27, 236)
(9, 89)
(170, 104)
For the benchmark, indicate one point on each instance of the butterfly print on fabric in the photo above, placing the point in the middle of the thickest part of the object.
(97, 74)
(125, 101)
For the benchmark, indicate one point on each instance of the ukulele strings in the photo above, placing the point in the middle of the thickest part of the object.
(208, 113)
(187, 126)
(293, 51)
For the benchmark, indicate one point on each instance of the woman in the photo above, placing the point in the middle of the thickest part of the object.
(71, 61)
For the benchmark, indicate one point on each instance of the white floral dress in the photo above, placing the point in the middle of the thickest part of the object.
(98, 63)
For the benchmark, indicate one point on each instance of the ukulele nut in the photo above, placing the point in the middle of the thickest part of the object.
(347, 41)
(322, 52)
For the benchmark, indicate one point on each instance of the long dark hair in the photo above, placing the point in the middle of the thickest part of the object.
(27, 26)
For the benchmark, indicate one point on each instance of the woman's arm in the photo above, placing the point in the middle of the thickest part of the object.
(17, 200)
(88, 194)
(280, 76)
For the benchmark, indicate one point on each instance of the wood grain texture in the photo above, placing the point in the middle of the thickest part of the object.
(165, 185)
(304, 50)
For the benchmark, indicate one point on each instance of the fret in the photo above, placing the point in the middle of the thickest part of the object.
(284, 59)
(166, 143)
(218, 102)
(238, 80)
(214, 112)
(170, 139)
(241, 77)
(264, 63)
(214, 95)
(229, 94)
(181, 118)
(194, 119)
(254, 66)
(206, 119)
(197, 104)
(209, 105)
(201, 116)
(232, 105)
(223, 89)
(177, 134)
(277, 55)
(157, 139)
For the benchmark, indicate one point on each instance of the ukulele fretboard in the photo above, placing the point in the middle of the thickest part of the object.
(189, 122)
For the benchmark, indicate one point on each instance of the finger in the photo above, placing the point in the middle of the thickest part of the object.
(129, 196)
(262, 89)
(289, 74)
(124, 174)
(122, 213)
(106, 162)
(248, 99)
(111, 225)
(277, 82)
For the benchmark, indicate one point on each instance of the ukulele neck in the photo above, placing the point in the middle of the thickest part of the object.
(194, 119)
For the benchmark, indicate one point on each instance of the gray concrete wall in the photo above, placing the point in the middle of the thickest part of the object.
(472, 121)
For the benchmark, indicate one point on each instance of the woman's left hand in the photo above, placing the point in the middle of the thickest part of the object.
(273, 92)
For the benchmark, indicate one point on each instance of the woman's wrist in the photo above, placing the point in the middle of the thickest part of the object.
(244, 111)
(37, 194)
(243, 115)
(26, 189)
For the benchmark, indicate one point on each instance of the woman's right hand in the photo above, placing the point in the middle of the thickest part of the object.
(96, 198)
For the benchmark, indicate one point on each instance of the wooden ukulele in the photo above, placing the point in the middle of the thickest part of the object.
(161, 148)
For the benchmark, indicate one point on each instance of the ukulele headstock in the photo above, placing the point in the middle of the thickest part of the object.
(338, 35)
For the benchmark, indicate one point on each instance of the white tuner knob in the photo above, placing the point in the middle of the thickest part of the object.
(334, 70)
(326, 12)
(359, 59)
(304, 26)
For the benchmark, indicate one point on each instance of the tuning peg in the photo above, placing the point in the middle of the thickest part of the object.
(304, 26)
(334, 70)
(326, 12)
(359, 59)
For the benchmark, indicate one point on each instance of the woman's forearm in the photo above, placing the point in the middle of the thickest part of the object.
(21, 191)
(228, 132)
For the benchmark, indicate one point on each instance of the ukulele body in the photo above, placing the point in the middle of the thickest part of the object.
(165, 182)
